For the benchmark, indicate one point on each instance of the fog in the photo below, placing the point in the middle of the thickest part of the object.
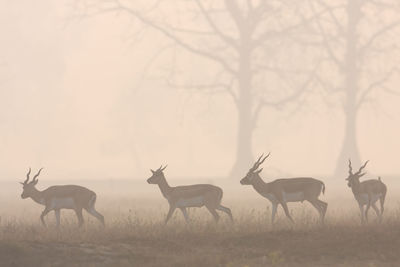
(101, 93)
(85, 97)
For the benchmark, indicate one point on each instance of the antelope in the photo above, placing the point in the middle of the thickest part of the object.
(286, 190)
(366, 192)
(61, 197)
(187, 196)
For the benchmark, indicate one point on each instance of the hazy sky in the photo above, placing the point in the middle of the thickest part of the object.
(70, 102)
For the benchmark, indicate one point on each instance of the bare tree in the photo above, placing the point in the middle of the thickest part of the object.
(248, 42)
(357, 36)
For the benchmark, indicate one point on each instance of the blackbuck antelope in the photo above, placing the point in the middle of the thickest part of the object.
(366, 192)
(183, 197)
(286, 190)
(61, 197)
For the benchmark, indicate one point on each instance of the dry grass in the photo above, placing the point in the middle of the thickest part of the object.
(137, 240)
(136, 236)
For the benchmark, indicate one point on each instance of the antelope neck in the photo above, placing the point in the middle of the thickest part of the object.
(37, 196)
(259, 185)
(164, 187)
(354, 186)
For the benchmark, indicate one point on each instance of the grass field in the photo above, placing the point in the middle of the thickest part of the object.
(135, 235)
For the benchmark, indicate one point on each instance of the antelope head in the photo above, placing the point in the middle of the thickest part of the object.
(157, 175)
(254, 173)
(29, 186)
(355, 177)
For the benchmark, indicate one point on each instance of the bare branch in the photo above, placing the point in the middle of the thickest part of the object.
(376, 35)
(391, 91)
(326, 42)
(374, 85)
(228, 40)
(169, 34)
(234, 11)
(335, 20)
(150, 63)
(300, 91)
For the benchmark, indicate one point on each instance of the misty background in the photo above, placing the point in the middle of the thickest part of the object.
(101, 89)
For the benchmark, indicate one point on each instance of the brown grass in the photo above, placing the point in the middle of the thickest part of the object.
(136, 236)
(139, 238)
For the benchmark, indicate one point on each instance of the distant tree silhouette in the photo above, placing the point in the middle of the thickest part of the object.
(250, 43)
(357, 36)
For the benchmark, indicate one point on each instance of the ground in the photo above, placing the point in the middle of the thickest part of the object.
(135, 234)
(135, 243)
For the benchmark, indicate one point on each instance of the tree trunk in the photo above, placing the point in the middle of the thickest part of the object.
(349, 148)
(244, 155)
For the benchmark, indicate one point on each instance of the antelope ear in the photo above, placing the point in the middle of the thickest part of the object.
(22, 183)
(362, 174)
(260, 170)
(152, 171)
(35, 182)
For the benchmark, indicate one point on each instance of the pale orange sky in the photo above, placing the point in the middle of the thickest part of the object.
(69, 103)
